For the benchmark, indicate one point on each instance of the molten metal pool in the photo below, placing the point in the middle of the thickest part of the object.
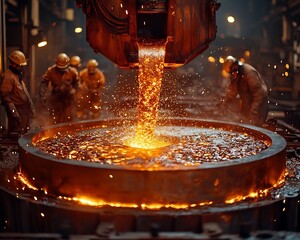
(203, 162)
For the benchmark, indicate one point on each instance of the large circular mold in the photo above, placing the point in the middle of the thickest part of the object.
(208, 183)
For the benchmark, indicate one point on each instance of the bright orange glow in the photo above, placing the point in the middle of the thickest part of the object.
(202, 145)
(151, 69)
(240, 198)
(101, 203)
(140, 141)
(152, 206)
(247, 53)
(211, 59)
(260, 193)
(26, 182)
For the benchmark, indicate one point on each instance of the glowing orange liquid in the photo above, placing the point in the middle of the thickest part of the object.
(151, 69)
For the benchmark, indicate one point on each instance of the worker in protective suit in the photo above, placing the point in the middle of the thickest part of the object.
(246, 82)
(64, 83)
(15, 96)
(89, 95)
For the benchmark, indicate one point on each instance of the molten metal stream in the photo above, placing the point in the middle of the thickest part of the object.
(151, 68)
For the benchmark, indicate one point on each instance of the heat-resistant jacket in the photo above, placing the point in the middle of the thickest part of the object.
(13, 91)
(62, 82)
(94, 82)
(252, 90)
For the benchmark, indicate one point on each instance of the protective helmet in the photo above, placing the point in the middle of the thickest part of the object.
(91, 65)
(75, 61)
(17, 57)
(228, 63)
(62, 60)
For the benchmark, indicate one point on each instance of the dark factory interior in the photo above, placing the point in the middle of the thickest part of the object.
(195, 168)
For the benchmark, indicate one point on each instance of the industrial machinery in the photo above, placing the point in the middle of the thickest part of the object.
(69, 196)
(114, 28)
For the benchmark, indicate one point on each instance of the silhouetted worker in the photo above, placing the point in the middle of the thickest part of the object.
(89, 95)
(64, 84)
(246, 82)
(15, 96)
